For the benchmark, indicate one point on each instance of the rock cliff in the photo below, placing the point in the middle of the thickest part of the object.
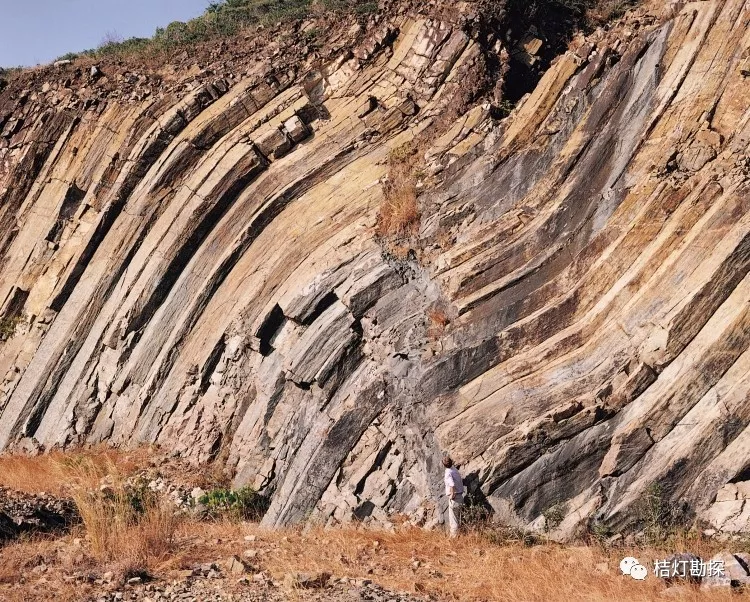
(191, 256)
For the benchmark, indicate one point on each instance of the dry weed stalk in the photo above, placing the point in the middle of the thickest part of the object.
(399, 214)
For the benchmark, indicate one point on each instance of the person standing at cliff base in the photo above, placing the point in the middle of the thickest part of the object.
(454, 489)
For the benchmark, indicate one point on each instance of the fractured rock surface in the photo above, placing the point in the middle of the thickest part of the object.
(200, 270)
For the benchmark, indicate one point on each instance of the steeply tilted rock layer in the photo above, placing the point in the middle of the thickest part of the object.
(572, 322)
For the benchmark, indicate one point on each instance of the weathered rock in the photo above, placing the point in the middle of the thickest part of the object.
(8, 528)
(296, 129)
(274, 143)
(734, 572)
(235, 566)
(306, 580)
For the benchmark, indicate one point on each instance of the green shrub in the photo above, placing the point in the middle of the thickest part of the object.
(552, 14)
(239, 504)
(360, 7)
(125, 46)
(505, 108)
(475, 516)
(68, 56)
(8, 326)
(598, 533)
(366, 8)
(553, 516)
(659, 517)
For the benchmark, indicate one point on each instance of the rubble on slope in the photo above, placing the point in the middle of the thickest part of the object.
(22, 513)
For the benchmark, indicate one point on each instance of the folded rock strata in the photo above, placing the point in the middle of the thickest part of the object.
(202, 271)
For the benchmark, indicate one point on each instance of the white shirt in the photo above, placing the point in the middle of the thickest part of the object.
(453, 479)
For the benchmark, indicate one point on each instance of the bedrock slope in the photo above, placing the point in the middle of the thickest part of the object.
(198, 267)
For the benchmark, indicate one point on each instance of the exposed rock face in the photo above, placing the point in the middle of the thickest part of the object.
(201, 271)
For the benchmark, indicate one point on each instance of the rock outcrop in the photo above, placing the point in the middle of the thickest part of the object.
(198, 266)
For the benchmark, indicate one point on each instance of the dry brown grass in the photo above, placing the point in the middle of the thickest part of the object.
(469, 569)
(126, 523)
(59, 556)
(130, 528)
(130, 535)
(117, 530)
(399, 215)
(437, 322)
(606, 11)
(54, 472)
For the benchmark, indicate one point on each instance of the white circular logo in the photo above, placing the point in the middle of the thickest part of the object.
(639, 572)
(627, 564)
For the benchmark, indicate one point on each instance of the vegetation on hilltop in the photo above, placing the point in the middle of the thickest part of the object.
(226, 18)
(222, 18)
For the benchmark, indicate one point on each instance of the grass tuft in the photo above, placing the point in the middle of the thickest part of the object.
(399, 215)
(124, 522)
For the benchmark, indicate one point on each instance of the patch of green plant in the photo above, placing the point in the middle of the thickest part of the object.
(533, 8)
(121, 47)
(345, 5)
(366, 8)
(239, 504)
(551, 14)
(140, 497)
(553, 516)
(505, 108)
(133, 499)
(574, 6)
(68, 56)
(475, 516)
(659, 518)
(8, 326)
(6, 74)
(598, 532)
